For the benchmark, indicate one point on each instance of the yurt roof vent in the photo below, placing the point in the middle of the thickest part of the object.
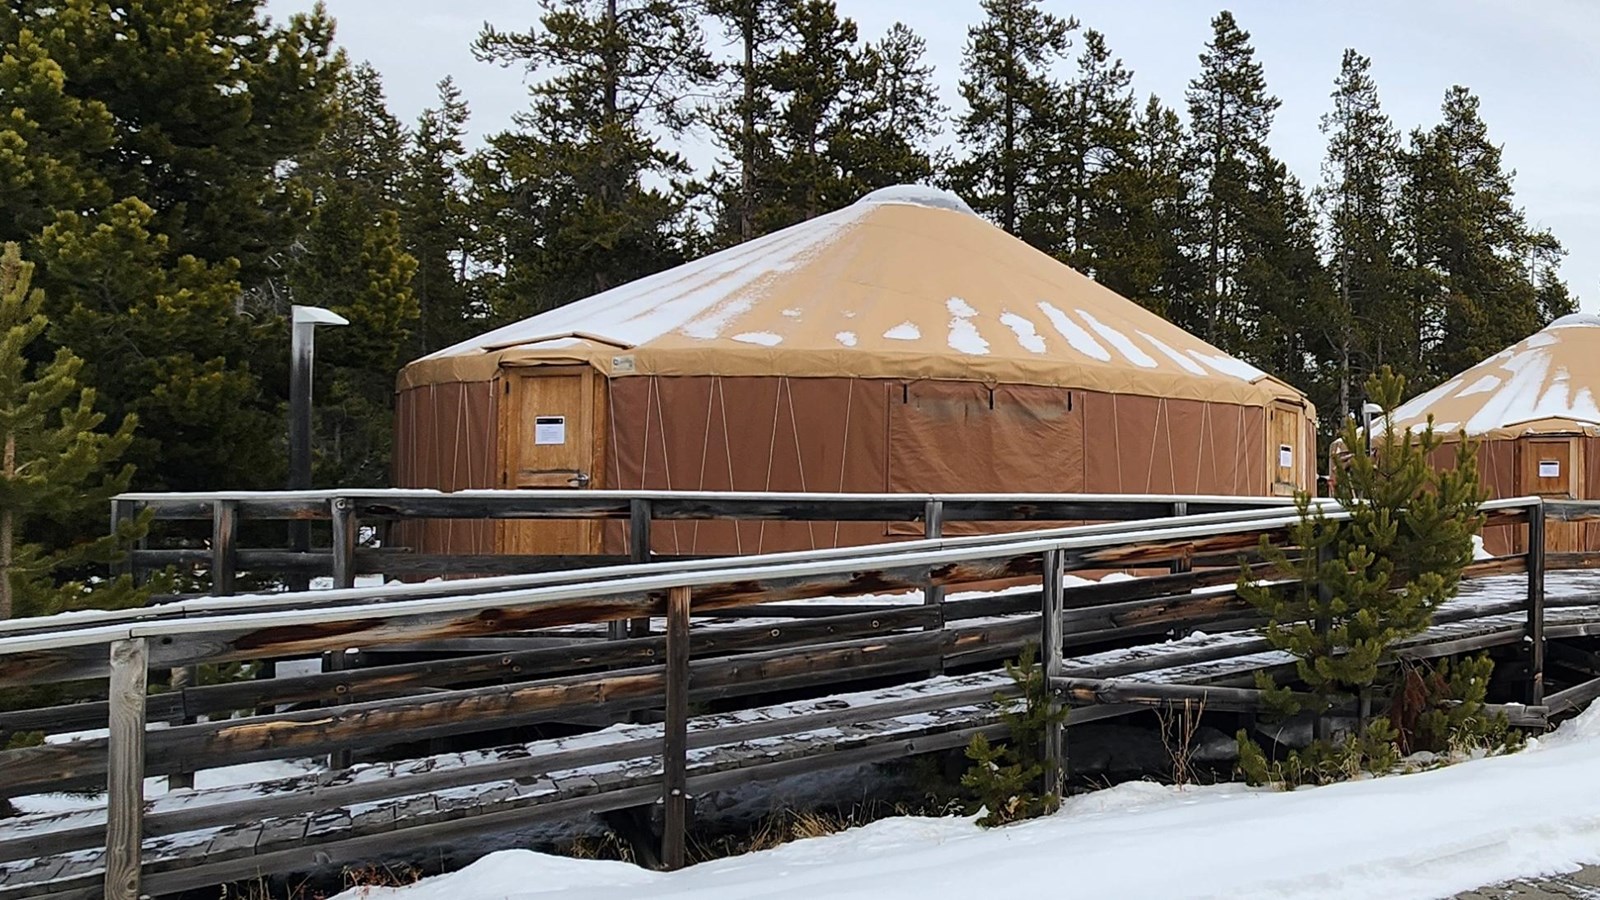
(1572, 319)
(917, 195)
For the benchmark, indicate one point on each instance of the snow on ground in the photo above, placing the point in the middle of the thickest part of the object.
(1424, 835)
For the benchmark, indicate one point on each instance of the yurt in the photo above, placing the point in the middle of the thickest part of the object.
(1531, 408)
(901, 344)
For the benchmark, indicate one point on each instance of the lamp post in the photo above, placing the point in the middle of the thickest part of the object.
(302, 348)
(1369, 411)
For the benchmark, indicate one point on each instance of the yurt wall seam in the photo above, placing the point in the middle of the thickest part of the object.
(727, 453)
(799, 457)
(772, 447)
(844, 447)
(705, 454)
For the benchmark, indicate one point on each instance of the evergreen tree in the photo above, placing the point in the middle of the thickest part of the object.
(582, 196)
(1473, 290)
(1384, 570)
(437, 222)
(1230, 116)
(56, 466)
(1365, 326)
(1011, 105)
(1091, 136)
(818, 117)
(143, 172)
(897, 116)
(741, 122)
(1254, 240)
(1145, 217)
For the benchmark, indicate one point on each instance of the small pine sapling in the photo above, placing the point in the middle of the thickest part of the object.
(1358, 586)
(1006, 779)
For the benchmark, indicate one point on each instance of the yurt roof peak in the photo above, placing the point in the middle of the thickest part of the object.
(907, 282)
(1543, 384)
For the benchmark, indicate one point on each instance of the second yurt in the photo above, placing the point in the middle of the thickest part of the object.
(1533, 412)
(901, 344)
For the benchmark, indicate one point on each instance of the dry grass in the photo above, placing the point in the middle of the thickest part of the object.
(1178, 728)
(362, 878)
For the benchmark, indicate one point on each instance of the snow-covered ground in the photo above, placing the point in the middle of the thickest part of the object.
(1423, 835)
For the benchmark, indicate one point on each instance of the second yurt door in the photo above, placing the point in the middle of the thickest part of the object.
(1552, 467)
(547, 417)
(1285, 440)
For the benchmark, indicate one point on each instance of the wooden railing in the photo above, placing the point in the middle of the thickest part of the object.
(347, 512)
(765, 626)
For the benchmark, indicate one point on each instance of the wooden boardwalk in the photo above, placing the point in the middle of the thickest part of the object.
(821, 627)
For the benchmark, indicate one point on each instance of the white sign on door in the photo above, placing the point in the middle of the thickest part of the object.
(1285, 456)
(549, 429)
(1549, 468)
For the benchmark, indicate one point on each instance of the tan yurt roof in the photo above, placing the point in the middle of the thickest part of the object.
(907, 282)
(1543, 384)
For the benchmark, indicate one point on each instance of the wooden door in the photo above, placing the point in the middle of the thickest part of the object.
(1285, 445)
(1552, 467)
(548, 442)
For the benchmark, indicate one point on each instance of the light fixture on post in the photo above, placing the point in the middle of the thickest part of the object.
(302, 348)
(1369, 411)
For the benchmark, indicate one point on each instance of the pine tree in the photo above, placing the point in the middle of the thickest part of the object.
(1011, 103)
(1473, 290)
(740, 122)
(1145, 216)
(145, 146)
(1383, 571)
(1091, 136)
(56, 466)
(582, 195)
(896, 118)
(437, 221)
(1230, 116)
(1365, 326)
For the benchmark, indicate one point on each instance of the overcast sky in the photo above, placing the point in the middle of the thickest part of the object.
(1534, 64)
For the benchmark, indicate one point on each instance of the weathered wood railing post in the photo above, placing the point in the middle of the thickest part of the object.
(224, 541)
(346, 537)
(125, 768)
(639, 513)
(1535, 635)
(1182, 564)
(346, 534)
(675, 737)
(1053, 586)
(933, 594)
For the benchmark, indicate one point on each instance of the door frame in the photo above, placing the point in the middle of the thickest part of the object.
(589, 532)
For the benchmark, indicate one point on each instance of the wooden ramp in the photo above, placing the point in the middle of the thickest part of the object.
(396, 810)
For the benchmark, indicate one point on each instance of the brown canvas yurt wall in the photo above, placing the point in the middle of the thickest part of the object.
(902, 344)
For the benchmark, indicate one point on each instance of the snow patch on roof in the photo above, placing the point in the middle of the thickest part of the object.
(905, 331)
(1227, 365)
(964, 336)
(1080, 339)
(1120, 341)
(764, 338)
(792, 313)
(1482, 386)
(1517, 399)
(1172, 354)
(1539, 339)
(847, 338)
(917, 195)
(1027, 334)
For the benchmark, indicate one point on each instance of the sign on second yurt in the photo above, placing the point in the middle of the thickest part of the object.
(900, 344)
